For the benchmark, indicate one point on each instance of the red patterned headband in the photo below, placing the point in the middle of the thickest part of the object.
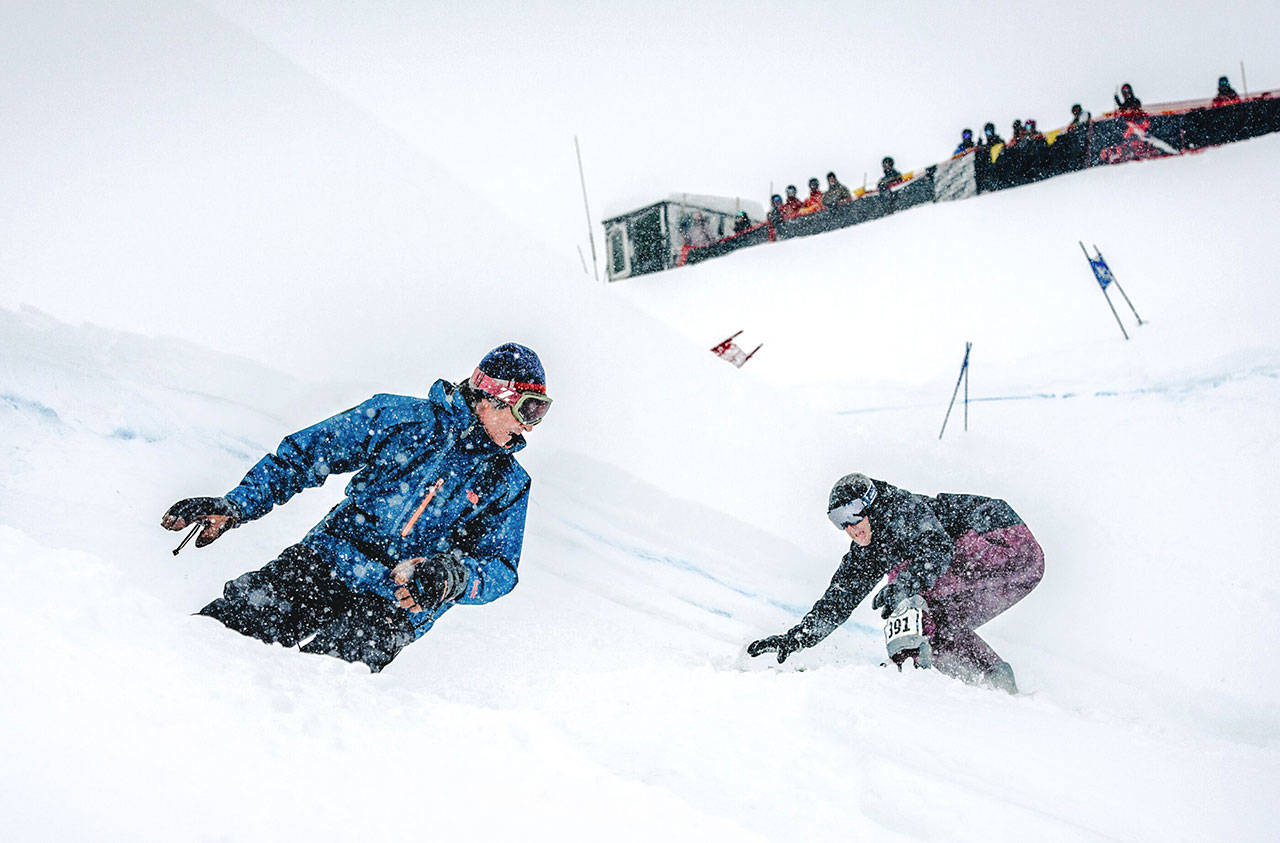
(505, 390)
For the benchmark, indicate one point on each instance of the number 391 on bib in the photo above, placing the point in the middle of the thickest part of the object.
(908, 622)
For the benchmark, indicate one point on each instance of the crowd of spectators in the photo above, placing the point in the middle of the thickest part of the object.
(817, 200)
(1024, 132)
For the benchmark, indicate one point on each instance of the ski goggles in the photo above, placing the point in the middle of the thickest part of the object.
(853, 511)
(528, 401)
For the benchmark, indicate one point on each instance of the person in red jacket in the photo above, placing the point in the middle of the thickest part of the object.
(792, 206)
(814, 202)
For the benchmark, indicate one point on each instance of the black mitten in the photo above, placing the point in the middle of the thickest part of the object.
(437, 581)
(784, 645)
(220, 514)
(888, 598)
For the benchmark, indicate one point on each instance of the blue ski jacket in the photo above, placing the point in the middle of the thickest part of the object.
(428, 480)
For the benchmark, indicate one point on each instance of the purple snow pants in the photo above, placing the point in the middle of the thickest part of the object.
(988, 574)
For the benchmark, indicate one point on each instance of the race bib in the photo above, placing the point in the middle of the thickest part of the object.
(907, 623)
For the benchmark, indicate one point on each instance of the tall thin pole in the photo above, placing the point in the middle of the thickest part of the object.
(590, 231)
(1116, 281)
(1104, 293)
(1244, 83)
(967, 346)
(964, 367)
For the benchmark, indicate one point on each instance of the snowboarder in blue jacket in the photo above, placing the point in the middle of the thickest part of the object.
(434, 515)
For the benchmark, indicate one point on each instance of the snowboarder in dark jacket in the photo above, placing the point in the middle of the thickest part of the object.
(433, 516)
(969, 557)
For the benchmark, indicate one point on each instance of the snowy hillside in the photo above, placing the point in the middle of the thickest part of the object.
(199, 171)
(612, 676)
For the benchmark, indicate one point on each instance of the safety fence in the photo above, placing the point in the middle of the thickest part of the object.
(1158, 131)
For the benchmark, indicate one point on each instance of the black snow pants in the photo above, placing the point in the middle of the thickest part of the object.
(297, 599)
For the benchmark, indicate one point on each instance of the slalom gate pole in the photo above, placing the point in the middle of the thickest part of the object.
(967, 346)
(964, 367)
(590, 232)
(1104, 293)
(1116, 281)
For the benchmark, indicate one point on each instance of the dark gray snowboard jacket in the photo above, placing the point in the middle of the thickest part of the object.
(911, 533)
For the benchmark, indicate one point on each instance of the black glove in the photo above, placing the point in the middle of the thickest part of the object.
(888, 598)
(784, 645)
(219, 515)
(437, 581)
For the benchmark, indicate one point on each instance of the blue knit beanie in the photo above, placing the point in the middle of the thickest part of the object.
(514, 362)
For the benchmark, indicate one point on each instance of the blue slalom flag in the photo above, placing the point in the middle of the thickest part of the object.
(1101, 271)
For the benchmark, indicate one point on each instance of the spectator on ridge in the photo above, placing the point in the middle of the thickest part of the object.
(814, 202)
(1226, 93)
(700, 233)
(1079, 118)
(792, 206)
(966, 142)
(777, 213)
(989, 136)
(1129, 102)
(836, 192)
(891, 175)
(741, 222)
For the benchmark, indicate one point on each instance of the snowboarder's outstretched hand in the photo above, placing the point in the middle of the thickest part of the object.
(426, 584)
(784, 645)
(218, 516)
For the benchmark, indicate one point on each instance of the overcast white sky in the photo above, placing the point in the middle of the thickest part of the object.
(184, 167)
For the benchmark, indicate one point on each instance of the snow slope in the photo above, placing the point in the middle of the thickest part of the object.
(678, 507)
(607, 694)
